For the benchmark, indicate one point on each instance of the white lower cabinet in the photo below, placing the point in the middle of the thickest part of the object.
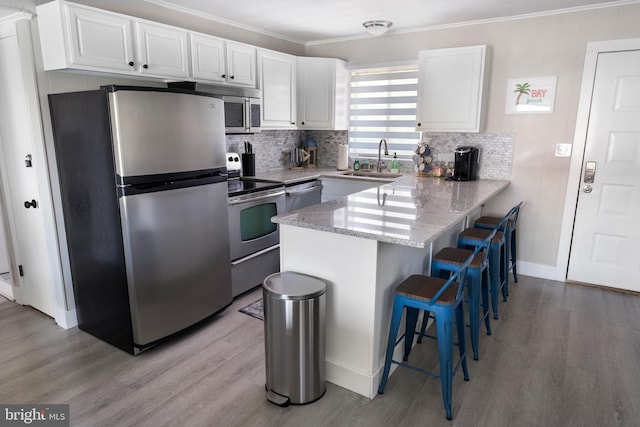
(335, 188)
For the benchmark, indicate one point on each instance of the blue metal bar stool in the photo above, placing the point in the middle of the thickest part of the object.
(449, 260)
(475, 237)
(490, 222)
(444, 299)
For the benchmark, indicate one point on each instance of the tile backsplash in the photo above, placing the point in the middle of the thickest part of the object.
(269, 146)
(496, 150)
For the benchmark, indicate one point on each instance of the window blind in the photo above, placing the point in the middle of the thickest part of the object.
(383, 105)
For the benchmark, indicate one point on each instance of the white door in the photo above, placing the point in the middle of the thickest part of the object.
(16, 137)
(604, 248)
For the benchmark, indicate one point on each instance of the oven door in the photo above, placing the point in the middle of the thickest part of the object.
(250, 226)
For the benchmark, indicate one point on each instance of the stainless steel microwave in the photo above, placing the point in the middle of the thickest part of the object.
(242, 105)
(241, 114)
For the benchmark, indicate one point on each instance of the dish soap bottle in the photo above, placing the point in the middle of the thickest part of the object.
(395, 165)
(356, 165)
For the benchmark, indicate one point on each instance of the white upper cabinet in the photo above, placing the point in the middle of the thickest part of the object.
(98, 40)
(208, 61)
(162, 51)
(241, 64)
(323, 94)
(219, 61)
(452, 89)
(80, 37)
(277, 80)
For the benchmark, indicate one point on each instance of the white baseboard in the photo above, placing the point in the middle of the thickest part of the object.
(541, 271)
(67, 319)
(6, 290)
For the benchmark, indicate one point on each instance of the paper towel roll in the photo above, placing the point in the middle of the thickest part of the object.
(343, 157)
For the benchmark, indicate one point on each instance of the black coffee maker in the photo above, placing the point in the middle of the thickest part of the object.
(465, 167)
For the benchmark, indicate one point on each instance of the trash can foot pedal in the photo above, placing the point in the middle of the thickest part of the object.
(277, 399)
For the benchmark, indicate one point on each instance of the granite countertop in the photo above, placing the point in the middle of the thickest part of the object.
(411, 211)
(291, 176)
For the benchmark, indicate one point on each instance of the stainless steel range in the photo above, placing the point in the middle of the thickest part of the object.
(254, 239)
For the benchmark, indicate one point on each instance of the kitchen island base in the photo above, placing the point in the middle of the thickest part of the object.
(361, 276)
(364, 245)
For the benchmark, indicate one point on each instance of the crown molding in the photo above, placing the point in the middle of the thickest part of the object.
(480, 22)
(8, 15)
(229, 22)
(214, 18)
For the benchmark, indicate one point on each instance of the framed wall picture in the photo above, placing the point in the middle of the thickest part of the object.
(531, 95)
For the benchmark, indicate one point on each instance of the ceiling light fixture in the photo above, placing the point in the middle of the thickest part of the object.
(377, 28)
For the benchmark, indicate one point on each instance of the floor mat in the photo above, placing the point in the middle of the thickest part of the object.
(254, 309)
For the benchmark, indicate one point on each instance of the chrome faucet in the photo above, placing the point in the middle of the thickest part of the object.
(386, 153)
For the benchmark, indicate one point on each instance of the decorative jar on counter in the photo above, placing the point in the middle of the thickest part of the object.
(438, 170)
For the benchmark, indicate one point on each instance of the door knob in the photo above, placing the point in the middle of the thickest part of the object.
(587, 189)
(31, 204)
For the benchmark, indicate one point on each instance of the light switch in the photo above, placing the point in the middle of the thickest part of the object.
(563, 150)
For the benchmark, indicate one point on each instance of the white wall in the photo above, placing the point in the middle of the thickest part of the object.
(544, 46)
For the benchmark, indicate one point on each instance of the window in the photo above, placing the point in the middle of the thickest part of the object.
(383, 105)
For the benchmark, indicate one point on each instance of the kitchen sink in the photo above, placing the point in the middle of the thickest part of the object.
(373, 174)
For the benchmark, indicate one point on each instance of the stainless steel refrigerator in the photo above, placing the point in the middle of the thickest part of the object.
(144, 194)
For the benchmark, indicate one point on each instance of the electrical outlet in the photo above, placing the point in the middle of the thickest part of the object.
(563, 150)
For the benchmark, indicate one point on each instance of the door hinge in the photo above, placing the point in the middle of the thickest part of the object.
(20, 271)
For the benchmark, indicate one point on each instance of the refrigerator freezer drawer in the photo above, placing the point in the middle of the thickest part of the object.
(176, 247)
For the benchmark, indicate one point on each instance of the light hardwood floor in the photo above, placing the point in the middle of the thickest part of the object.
(559, 355)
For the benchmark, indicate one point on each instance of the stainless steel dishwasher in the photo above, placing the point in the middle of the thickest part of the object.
(302, 194)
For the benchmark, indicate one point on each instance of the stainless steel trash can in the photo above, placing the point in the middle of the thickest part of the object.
(294, 337)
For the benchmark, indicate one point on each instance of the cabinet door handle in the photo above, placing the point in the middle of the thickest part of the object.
(302, 123)
(419, 124)
(232, 77)
(224, 76)
(145, 66)
(31, 204)
(131, 64)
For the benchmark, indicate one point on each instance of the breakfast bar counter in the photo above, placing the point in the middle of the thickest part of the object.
(364, 245)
